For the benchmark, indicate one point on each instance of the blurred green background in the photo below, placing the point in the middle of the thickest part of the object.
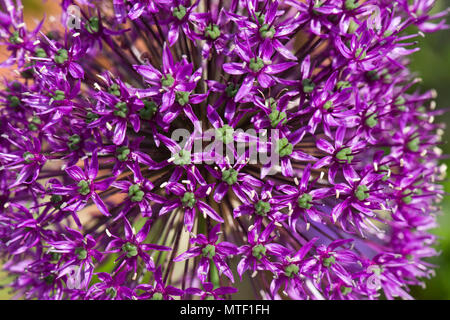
(432, 64)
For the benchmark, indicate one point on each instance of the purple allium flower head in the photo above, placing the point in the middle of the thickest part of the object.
(280, 142)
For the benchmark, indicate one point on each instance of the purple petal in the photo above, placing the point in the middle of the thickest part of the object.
(76, 173)
(225, 290)
(93, 167)
(222, 267)
(148, 72)
(234, 68)
(100, 204)
(189, 216)
(191, 253)
(119, 132)
(280, 67)
(206, 209)
(151, 246)
(76, 70)
(143, 233)
(245, 88)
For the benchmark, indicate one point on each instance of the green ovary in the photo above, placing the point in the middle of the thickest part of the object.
(266, 32)
(212, 31)
(81, 253)
(61, 56)
(130, 249)
(135, 193)
(93, 25)
(34, 122)
(308, 85)
(230, 176)
(259, 251)
(114, 89)
(28, 157)
(167, 80)
(122, 153)
(182, 158)
(304, 201)
(209, 251)
(372, 120)
(83, 187)
(329, 261)
(262, 208)
(15, 38)
(328, 105)
(59, 95)
(188, 199)
(414, 144)
(13, 101)
(157, 296)
(256, 64)
(291, 270)
(74, 141)
(351, 4)
(341, 85)
(121, 110)
(111, 292)
(148, 111)
(284, 148)
(225, 134)
(182, 97)
(91, 117)
(276, 117)
(179, 12)
(362, 192)
(346, 290)
(345, 155)
(231, 90)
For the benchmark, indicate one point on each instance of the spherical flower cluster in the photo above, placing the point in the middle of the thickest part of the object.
(180, 149)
